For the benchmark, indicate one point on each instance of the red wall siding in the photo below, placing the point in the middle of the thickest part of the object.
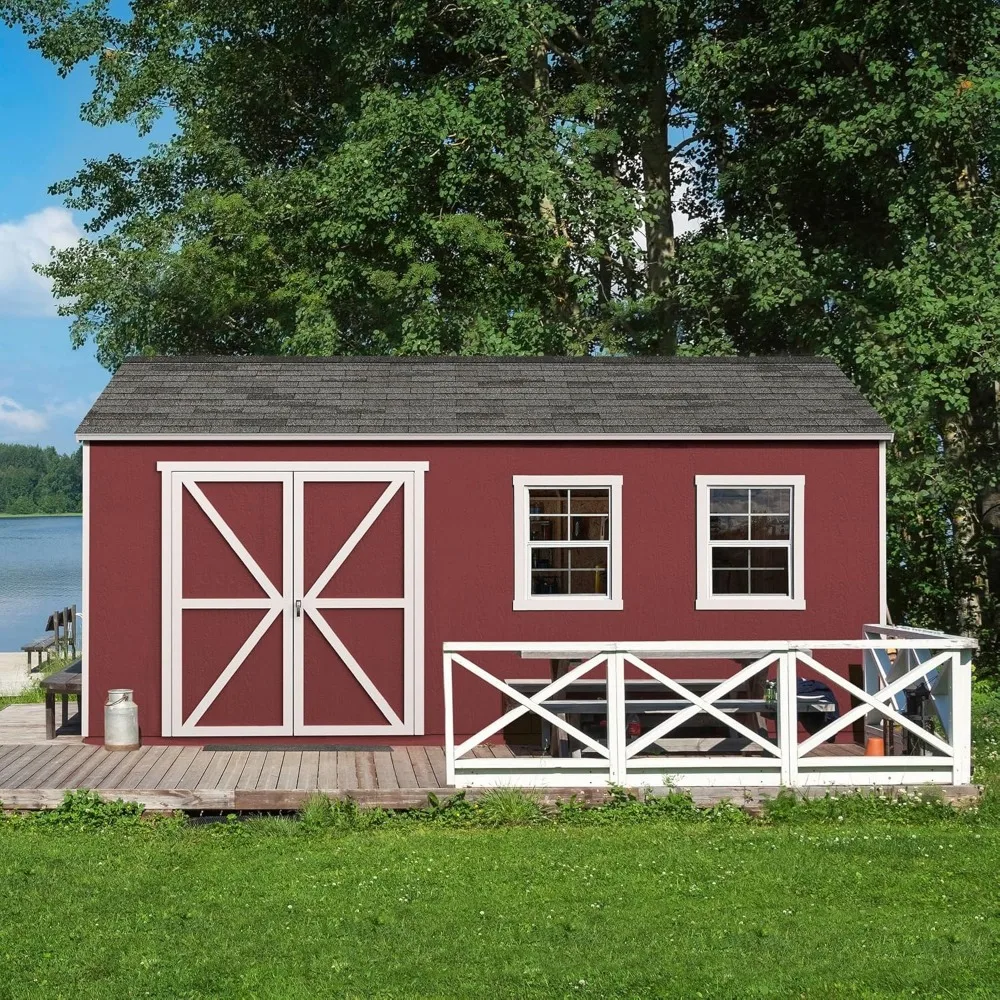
(469, 546)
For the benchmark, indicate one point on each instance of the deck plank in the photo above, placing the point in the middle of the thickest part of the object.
(327, 776)
(178, 769)
(130, 760)
(234, 768)
(80, 775)
(435, 755)
(385, 773)
(39, 778)
(309, 771)
(422, 767)
(250, 774)
(288, 776)
(271, 770)
(26, 765)
(193, 775)
(405, 778)
(112, 759)
(141, 768)
(20, 760)
(216, 768)
(365, 763)
(160, 768)
(347, 771)
(65, 773)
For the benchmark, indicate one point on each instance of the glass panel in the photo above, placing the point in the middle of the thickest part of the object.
(730, 581)
(769, 581)
(724, 557)
(771, 501)
(543, 528)
(729, 501)
(596, 558)
(589, 528)
(589, 501)
(776, 558)
(550, 558)
(723, 528)
(769, 526)
(549, 581)
(548, 501)
(589, 581)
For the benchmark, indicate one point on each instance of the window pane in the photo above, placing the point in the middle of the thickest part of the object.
(550, 558)
(776, 558)
(544, 528)
(596, 558)
(771, 501)
(723, 528)
(589, 501)
(548, 501)
(727, 558)
(769, 581)
(729, 501)
(769, 526)
(589, 528)
(730, 581)
(549, 581)
(589, 581)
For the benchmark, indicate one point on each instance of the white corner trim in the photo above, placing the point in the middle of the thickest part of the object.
(523, 598)
(306, 466)
(404, 437)
(883, 585)
(85, 599)
(705, 600)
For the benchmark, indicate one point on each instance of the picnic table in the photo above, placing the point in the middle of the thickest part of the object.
(65, 683)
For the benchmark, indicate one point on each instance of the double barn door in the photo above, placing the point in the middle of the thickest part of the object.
(292, 599)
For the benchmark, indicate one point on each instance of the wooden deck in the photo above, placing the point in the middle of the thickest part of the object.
(35, 773)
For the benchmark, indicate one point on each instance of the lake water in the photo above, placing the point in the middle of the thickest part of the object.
(40, 570)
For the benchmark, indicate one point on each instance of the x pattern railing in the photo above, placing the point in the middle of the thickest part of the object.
(895, 660)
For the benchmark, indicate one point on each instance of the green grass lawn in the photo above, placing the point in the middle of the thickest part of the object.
(840, 899)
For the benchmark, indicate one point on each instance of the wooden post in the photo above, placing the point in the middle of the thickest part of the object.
(788, 719)
(961, 716)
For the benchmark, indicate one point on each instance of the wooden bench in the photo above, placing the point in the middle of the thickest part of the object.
(41, 645)
(65, 683)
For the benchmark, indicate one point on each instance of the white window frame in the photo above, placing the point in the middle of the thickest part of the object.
(524, 600)
(706, 600)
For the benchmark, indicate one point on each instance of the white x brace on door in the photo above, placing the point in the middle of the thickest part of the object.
(292, 598)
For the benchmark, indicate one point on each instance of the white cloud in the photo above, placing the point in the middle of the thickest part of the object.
(27, 242)
(23, 423)
(19, 418)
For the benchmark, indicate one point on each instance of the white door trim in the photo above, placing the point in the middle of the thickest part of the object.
(280, 601)
(395, 481)
(276, 604)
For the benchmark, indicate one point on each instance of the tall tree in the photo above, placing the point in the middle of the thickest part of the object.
(376, 176)
(855, 212)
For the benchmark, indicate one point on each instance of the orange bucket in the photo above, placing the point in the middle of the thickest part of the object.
(875, 747)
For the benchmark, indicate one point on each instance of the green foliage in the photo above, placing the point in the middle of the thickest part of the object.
(85, 811)
(426, 177)
(36, 480)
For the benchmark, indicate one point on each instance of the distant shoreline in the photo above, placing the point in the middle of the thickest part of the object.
(12, 516)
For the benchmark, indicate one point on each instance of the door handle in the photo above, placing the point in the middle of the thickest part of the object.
(298, 609)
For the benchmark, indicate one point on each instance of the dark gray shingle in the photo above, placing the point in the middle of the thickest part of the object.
(239, 396)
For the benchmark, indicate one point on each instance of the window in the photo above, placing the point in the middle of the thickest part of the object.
(567, 543)
(750, 553)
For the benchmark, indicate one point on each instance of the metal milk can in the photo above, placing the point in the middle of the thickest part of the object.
(121, 721)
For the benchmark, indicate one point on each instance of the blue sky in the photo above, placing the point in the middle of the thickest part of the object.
(45, 385)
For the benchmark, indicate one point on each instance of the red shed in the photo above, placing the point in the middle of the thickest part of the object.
(279, 548)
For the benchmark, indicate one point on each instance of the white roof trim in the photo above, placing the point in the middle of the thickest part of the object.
(595, 437)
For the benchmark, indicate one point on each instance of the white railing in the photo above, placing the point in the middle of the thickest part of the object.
(894, 660)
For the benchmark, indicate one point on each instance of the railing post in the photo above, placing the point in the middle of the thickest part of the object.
(449, 721)
(961, 716)
(616, 719)
(788, 719)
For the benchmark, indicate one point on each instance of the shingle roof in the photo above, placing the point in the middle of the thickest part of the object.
(481, 396)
